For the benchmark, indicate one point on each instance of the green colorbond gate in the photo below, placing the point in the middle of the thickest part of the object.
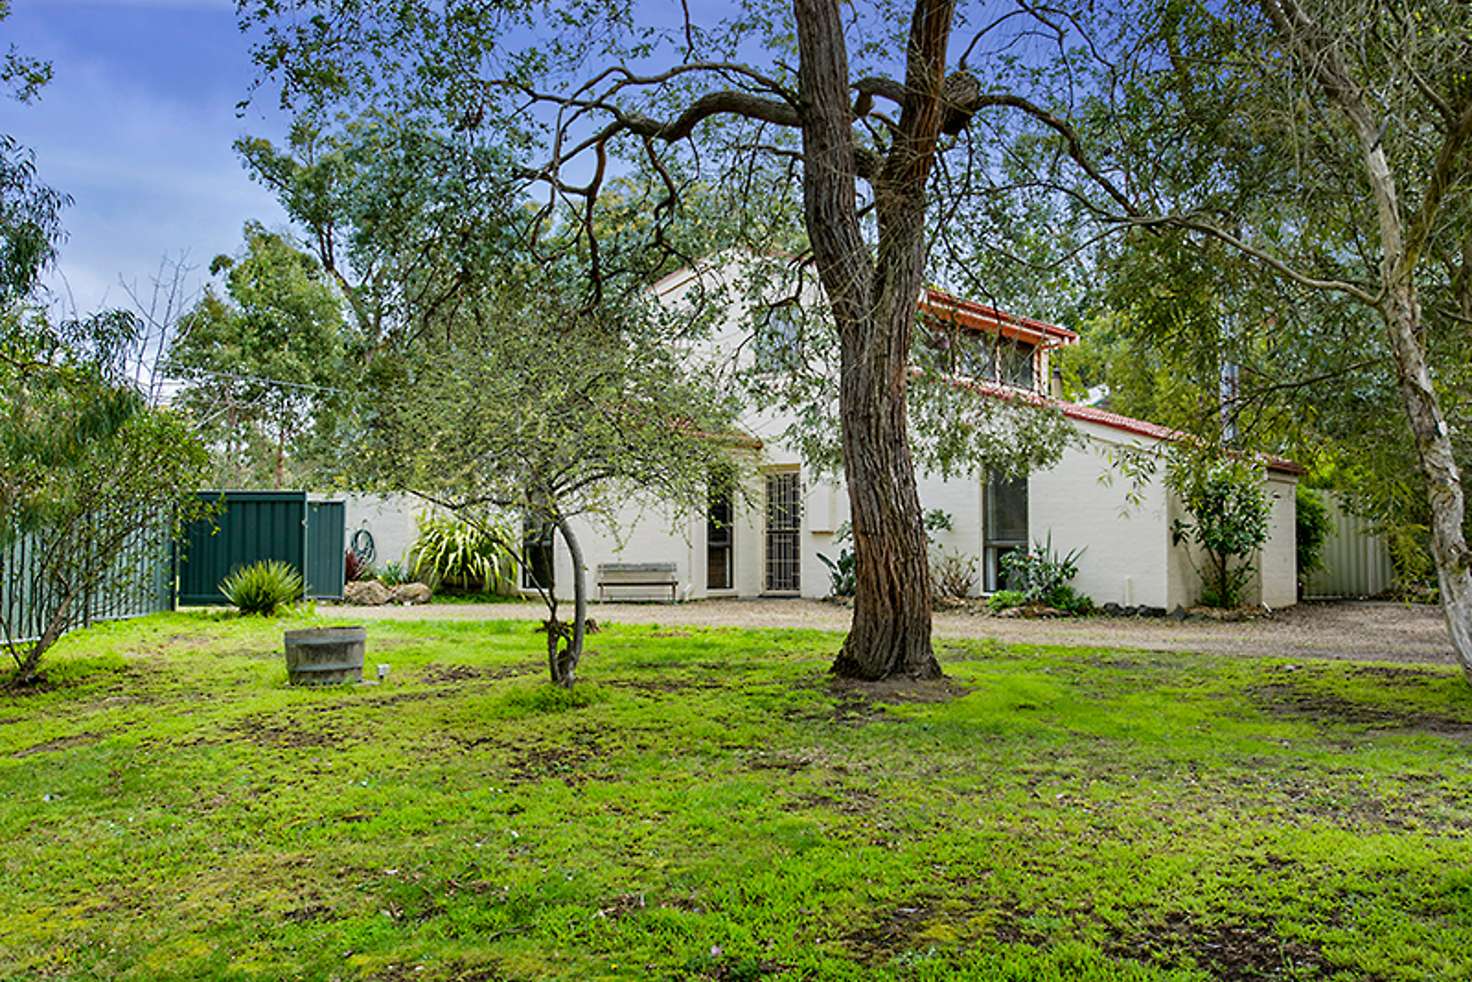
(252, 526)
(326, 555)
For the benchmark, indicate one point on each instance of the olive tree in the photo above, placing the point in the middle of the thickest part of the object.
(527, 408)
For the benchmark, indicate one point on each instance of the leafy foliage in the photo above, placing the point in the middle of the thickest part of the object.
(461, 555)
(953, 573)
(263, 588)
(392, 573)
(355, 568)
(842, 571)
(263, 362)
(87, 464)
(576, 411)
(30, 211)
(1312, 526)
(1229, 520)
(1006, 599)
(1040, 573)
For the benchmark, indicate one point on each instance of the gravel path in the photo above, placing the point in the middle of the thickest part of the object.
(1354, 630)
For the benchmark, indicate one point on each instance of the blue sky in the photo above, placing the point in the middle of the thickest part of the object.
(137, 127)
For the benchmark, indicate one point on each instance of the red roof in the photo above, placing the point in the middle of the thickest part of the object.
(981, 317)
(1115, 421)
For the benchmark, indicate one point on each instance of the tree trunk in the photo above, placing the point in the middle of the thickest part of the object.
(1401, 309)
(565, 665)
(874, 307)
(1439, 467)
(26, 665)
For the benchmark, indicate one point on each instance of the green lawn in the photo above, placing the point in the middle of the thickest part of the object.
(707, 806)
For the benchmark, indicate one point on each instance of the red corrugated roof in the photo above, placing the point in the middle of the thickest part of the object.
(1113, 420)
(981, 317)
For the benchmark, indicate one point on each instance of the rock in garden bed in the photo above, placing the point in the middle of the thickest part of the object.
(410, 593)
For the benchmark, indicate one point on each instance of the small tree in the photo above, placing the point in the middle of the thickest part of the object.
(528, 408)
(1229, 520)
(93, 476)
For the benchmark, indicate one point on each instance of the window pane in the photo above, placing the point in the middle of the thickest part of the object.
(1006, 511)
(778, 341)
(1017, 364)
(718, 541)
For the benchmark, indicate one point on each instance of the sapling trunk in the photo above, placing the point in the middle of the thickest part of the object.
(568, 661)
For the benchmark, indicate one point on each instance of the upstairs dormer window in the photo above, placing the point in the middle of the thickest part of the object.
(986, 357)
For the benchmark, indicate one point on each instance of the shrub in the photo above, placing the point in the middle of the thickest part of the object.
(462, 555)
(842, 575)
(842, 579)
(1040, 572)
(355, 568)
(1005, 599)
(952, 573)
(393, 573)
(1311, 531)
(262, 588)
(1070, 601)
(1230, 521)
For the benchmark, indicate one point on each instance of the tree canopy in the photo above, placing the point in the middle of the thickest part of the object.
(262, 361)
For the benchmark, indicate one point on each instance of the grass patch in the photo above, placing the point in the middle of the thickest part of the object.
(708, 804)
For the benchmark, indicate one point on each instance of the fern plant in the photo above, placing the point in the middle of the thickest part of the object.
(454, 553)
(262, 588)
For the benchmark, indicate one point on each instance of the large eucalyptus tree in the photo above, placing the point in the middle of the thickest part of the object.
(852, 106)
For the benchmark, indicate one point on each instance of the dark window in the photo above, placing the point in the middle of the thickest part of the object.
(1015, 364)
(993, 358)
(718, 540)
(536, 546)
(1005, 525)
(778, 341)
(784, 532)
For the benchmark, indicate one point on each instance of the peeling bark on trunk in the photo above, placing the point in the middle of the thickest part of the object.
(1401, 310)
(1439, 467)
(874, 304)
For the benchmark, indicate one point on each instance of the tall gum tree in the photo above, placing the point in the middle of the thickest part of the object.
(1328, 143)
(582, 93)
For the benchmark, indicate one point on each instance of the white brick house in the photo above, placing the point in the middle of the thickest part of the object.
(768, 544)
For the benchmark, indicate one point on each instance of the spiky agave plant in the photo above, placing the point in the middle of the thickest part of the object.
(460, 554)
(262, 588)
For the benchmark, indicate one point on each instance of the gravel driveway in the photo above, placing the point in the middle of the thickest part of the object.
(1356, 630)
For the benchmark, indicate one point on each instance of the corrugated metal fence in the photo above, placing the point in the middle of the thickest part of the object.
(139, 580)
(1356, 560)
(254, 526)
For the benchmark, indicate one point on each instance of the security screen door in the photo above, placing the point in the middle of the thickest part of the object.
(784, 528)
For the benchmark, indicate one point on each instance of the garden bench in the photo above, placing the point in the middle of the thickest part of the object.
(641, 575)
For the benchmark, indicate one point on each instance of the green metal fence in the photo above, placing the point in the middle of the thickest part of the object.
(252, 526)
(138, 580)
